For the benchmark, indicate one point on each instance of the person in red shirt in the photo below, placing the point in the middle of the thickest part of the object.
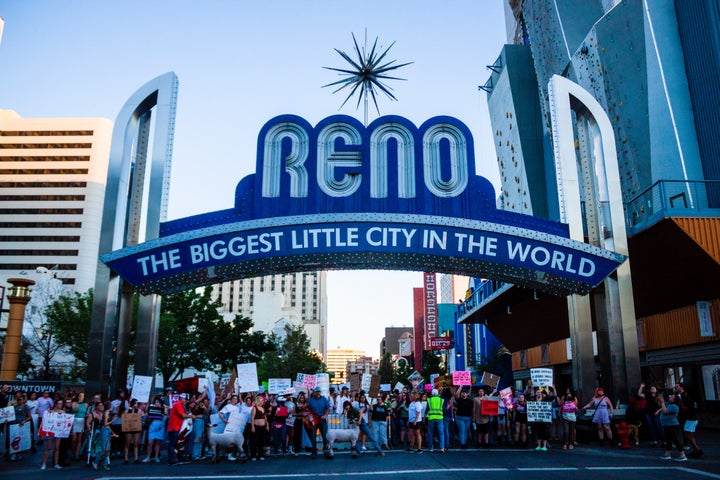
(175, 422)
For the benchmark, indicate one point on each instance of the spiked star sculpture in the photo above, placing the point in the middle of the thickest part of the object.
(367, 74)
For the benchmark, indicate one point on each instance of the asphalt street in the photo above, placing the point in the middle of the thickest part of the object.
(640, 463)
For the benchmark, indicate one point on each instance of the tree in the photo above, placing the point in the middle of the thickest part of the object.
(293, 356)
(193, 334)
(432, 363)
(386, 370)
(69, 317)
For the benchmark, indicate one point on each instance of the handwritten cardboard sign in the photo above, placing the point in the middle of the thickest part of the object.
(141, 388)
(490, 379)
(461, 377)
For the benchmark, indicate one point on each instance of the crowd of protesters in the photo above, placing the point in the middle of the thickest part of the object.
(174, 425)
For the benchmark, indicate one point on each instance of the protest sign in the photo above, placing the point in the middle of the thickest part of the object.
(131, 422)
(247, 378)
(539, 412)
(384, 387)
(415, 379)
(461, 377)
(489, 407)
(489, 379)
(299, 387)
(57, 425)
(141, 388)
(507, 397)
(19, 438)
(7, 414)
(365, 381)
(374, 385)
(277, 385)
(541, 377)
(433, 376)
(187, 385)
(322, 380)
(399, 386)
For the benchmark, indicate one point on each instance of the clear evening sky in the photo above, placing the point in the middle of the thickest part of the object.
(240, 63)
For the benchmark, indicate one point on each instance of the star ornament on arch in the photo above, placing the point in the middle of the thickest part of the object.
(367, 74)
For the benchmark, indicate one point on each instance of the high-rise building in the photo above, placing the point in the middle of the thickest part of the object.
(657, 84)
(395, 340)
(337, 361)
(303, 295)
(52, 185)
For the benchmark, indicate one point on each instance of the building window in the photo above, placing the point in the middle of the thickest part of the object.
(46, 158)
(43, 184)
(45, 145)
(39, 253)
(41, 211)
(545, 353)
(43, 171)
(46, 133)
(33, 266)
(42, 198)
(39, 238)
(40, 224)
(523, 358)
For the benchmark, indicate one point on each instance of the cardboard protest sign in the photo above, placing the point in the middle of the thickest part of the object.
(442, 381)
(131, 422)
(235, 422)
(539, 412)
(507, 398)
(541, 377)
(490, 379)
(489, 407)
(247, 378)
(374, 385)
(19, 438)
(461, 377)
(355, 380)
(141, 387)
(277, 385)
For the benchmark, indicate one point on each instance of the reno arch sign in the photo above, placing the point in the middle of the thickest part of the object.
(344, 196)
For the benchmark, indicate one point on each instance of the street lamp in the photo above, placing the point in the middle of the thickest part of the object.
(18, 296)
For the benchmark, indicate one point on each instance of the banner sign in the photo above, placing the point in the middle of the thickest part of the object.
(32, 386)
(430, 319)
(539, 412)
(277, 385)
(389, 194)
(441, 343)
(489, 407)
(461, 377)
(541, 377)
(247, 378)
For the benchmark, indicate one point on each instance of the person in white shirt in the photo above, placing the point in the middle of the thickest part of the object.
(341, 399)
(224, 414)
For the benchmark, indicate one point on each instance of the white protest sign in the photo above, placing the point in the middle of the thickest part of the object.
(19, 438)
(322, 380)
(277, 385)
(384, 387)
(539, 412)
(365, 382)
(141, 388)
(57, 425)
(236, 422)
(541, 377)
(399, 386)
(7, 414)
(247, 379)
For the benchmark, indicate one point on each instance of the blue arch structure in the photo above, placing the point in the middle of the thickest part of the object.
(344, 196)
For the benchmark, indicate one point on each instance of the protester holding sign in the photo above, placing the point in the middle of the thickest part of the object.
(463, 415)
(482, 422)
(22, 416)
(569, 410)
(51, 441)
(520, 419)
(541, 428)
(131, 427)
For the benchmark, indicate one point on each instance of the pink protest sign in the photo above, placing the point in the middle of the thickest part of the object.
(461, 377)
(507, 397)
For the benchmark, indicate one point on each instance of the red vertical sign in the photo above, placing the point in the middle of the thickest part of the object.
(431, 310)
(419, 335)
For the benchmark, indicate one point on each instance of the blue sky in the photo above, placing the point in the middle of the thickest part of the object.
(239, 64)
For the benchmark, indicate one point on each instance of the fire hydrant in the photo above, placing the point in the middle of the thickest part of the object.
(623, 434)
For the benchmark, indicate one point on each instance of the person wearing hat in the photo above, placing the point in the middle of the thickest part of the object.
(175, 422)
(318, 408)
(435, 421)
